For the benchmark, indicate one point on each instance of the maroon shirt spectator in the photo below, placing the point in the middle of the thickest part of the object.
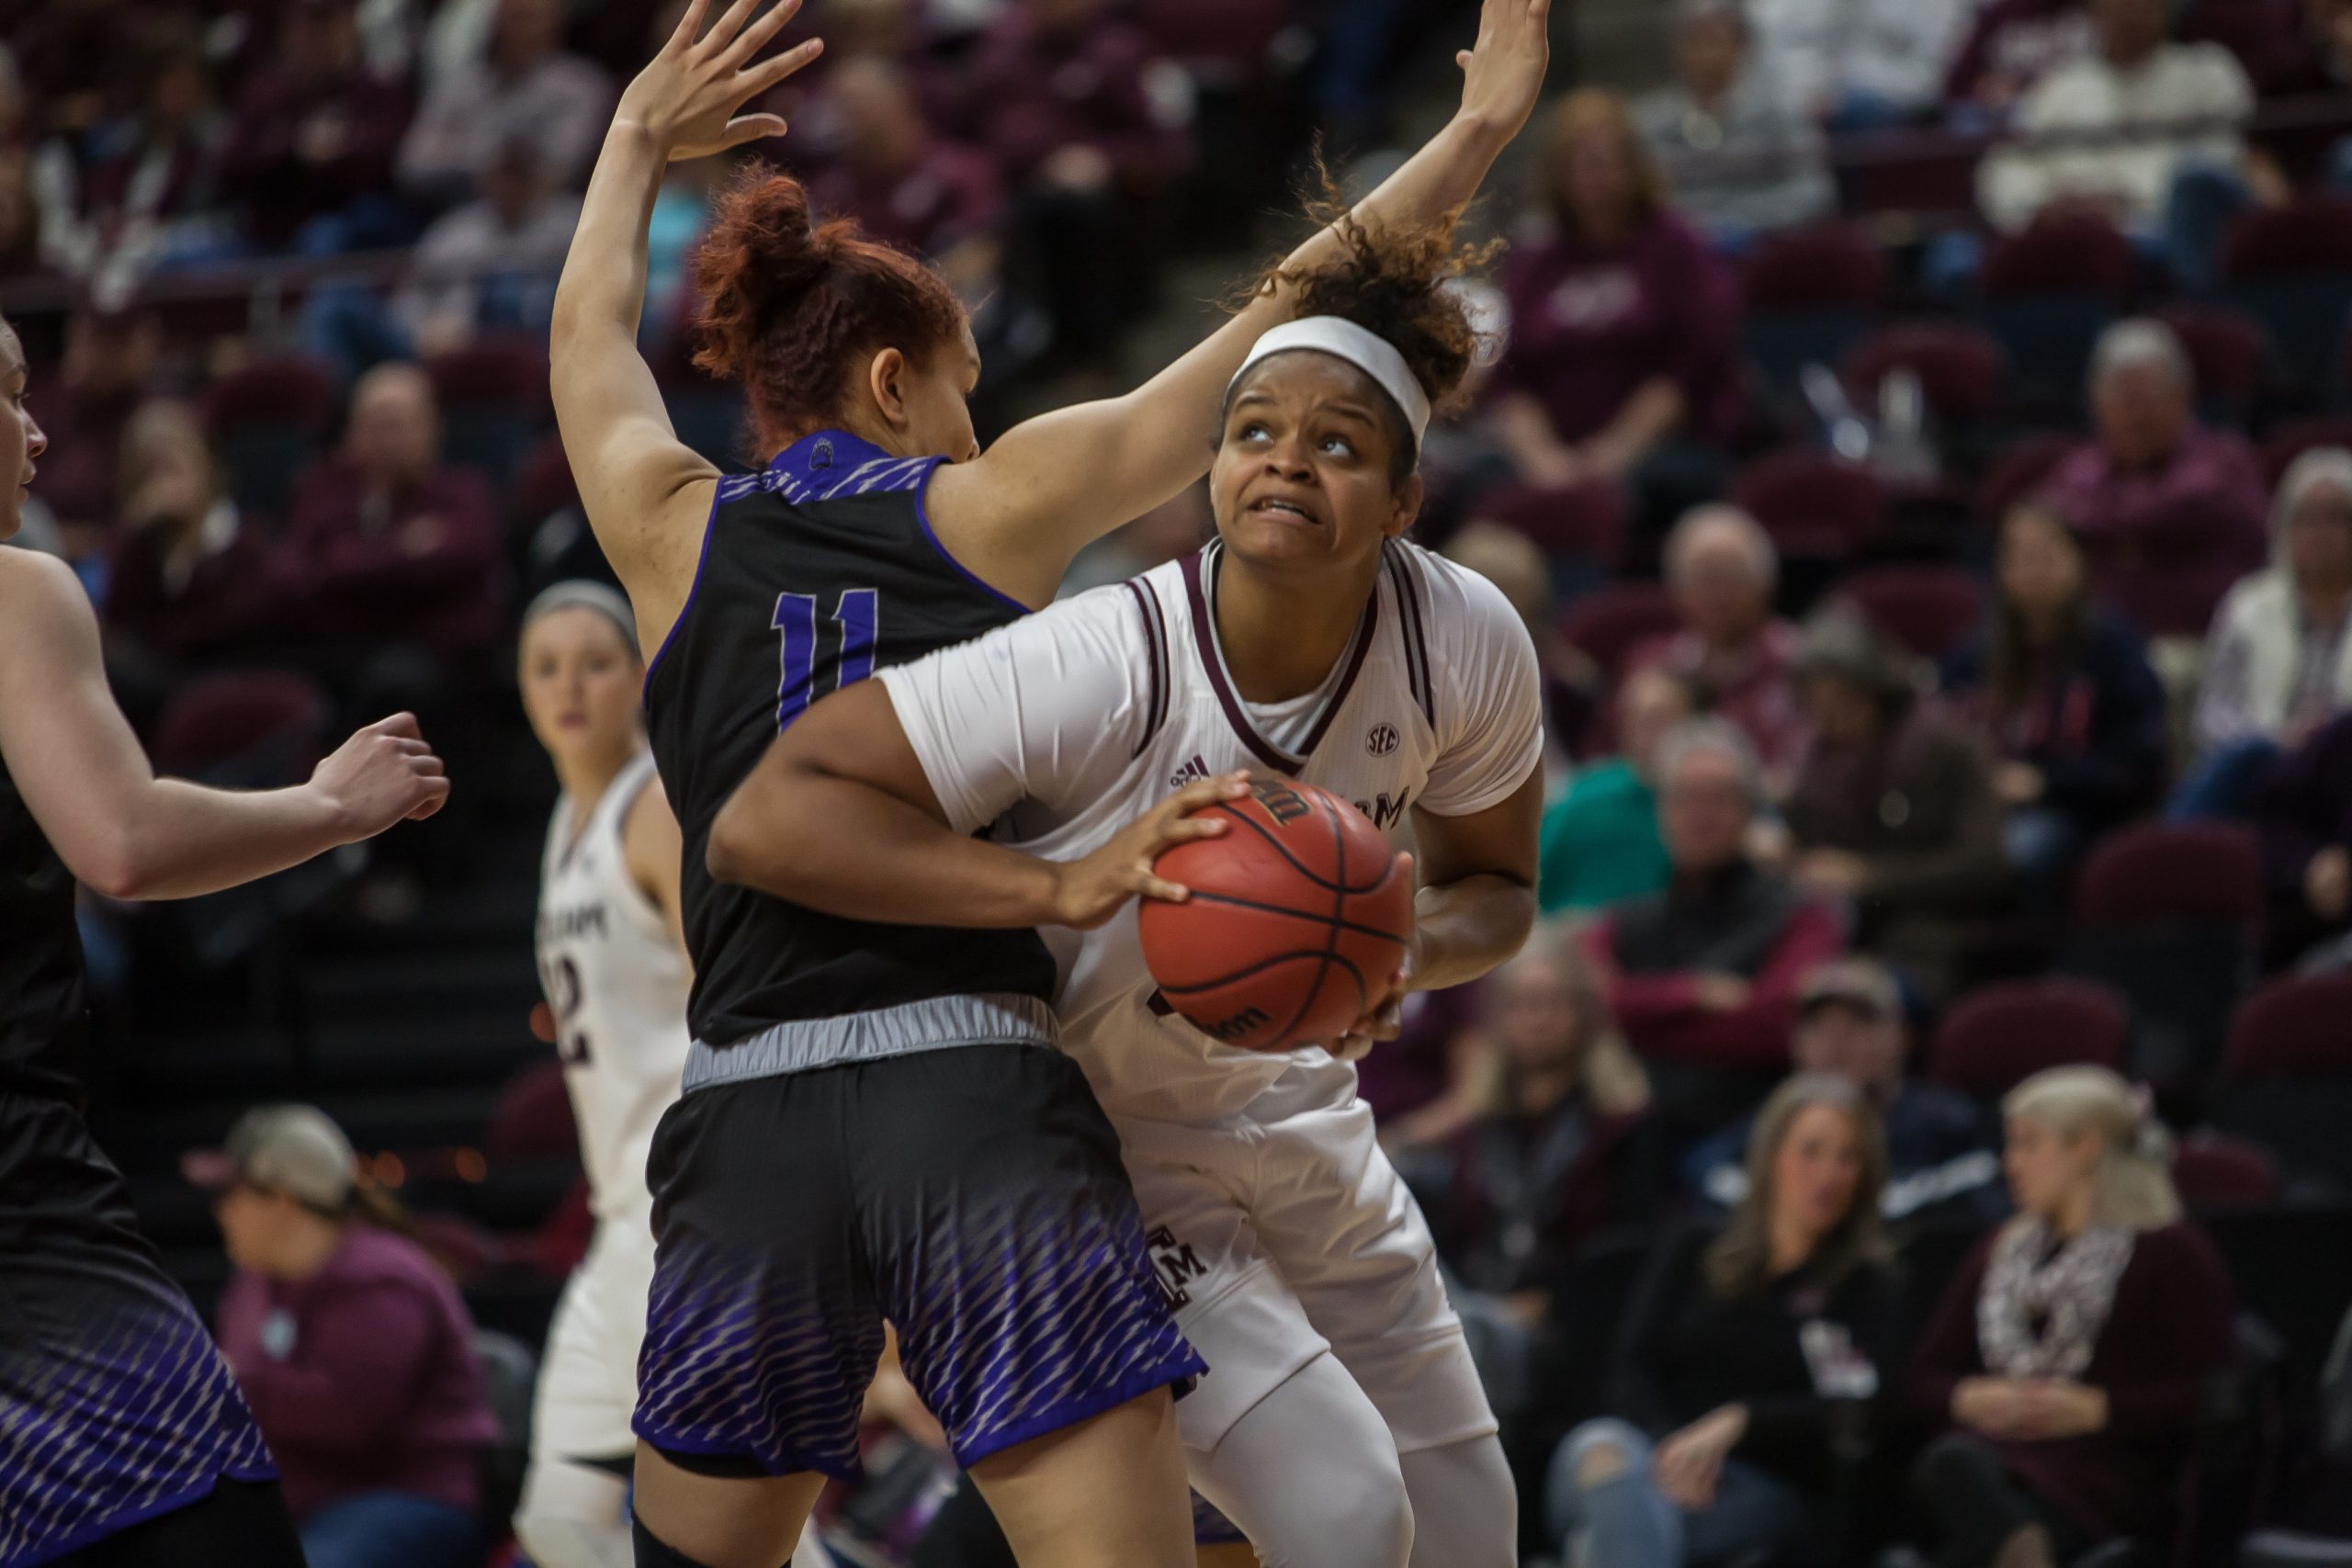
(1053, 76)
(904, 186)
(1624, 324)
(385, 545)
(191, 578)
(528, 90)
(1740, 658)
(2170, 513)
(2013, 45)
(108, 369)
(1706, 973)
(316, 130)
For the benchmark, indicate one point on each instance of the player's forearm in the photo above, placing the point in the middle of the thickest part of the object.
(1469, 926)
(603, 284)
(1440, 178)
(847, 848)
(178, 840)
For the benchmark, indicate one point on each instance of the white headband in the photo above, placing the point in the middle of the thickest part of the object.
(1364, 349)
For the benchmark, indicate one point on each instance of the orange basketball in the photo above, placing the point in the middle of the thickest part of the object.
(1297, 920)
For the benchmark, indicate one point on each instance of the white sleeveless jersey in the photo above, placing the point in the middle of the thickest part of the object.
(618, 982)
(1061, 728)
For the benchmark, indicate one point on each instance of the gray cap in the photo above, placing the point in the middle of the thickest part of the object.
(1862, 983)
(294, 1149)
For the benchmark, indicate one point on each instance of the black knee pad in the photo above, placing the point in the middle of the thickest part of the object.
(654, 1552)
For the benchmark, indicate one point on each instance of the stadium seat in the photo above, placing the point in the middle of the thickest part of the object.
(533, 1117)
(2214, 1171)
(1812, 504)
(1959, 368)
(1811, 294)
(2292, 439)
(2292, 1265)
(2049, 292)
(246, 728)
(2226, 353)
(543, 484)
(1609, 625)
(2286, 1078)
(2290, 268)
(268, 420)
(2171, 916)
(494, 403)
(2019, 472)
(1586, 519)
(1931, 610)
(2000, 1035)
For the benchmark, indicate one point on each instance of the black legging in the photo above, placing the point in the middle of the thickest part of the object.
(244, 1524)
(1977, 1504)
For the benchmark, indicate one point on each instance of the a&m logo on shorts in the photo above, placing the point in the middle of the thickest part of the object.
(1383, 739)
(1176, 1264)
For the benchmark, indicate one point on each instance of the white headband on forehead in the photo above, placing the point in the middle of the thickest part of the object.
(1364, 349)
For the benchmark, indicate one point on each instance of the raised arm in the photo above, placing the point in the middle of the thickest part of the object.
(645, 491)
(129, 834)
(1018, 513)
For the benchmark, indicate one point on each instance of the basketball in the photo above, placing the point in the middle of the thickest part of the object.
(1297, 920)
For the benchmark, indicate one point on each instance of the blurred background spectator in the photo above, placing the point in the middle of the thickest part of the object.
(1600, 843)
(1739, 657)
(1734, 148)
(527, 90)
(311, 143)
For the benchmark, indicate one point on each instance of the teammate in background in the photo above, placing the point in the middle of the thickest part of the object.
(944, 1169)
(121, 1427)
(613, 964)
(1341, 1424)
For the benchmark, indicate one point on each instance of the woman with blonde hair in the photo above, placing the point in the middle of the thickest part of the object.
(2069, 1354)
(1753, 1346)
(1624, 351)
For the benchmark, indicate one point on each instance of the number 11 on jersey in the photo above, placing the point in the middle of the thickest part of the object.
(796, 624)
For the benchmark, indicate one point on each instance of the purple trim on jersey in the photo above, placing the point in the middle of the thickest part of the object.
(1416, 647)
(1236, 713)
(702, 561)
(1156, 634)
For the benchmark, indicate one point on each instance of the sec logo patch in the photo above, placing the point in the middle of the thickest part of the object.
(1383, 739)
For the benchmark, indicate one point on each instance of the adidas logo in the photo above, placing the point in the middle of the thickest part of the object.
(1197, 768)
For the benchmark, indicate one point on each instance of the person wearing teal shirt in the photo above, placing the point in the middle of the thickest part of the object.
(1600, 839)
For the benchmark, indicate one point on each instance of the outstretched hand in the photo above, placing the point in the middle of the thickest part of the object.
(686, 96)
(1502, 73)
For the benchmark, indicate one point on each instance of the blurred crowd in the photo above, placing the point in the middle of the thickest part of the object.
(1918, 437)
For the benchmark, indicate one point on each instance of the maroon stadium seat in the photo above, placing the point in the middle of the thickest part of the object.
(1835, 263)
(1586, 519)
(2019, 472)
(215, 720)
(1959, 368)
(2290, 267)
(2158, 874)
(2286, 1078)
(293, 389)
(2213, 1171)
(2000, 1035)
(533, 1117)
(543, 484)
(1811, 503)
(1608, 626)
(1930, 610)
(2061, 253)
(2298, 1027)
(2300, 238)
(2225, 350)
(504, 372)
(2294, 438)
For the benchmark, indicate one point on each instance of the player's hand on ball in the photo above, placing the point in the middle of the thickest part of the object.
(385, 773)
(1090, 891)
(686, 96)
(1384, 1019)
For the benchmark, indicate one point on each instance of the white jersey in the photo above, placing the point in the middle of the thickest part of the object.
(618, 982)
(1064, 726)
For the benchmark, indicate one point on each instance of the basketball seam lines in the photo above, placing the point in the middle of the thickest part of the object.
(1322, 882)
(1198, 896)
(1261, 967)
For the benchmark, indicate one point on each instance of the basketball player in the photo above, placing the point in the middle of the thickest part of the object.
(943, 1170)
(613, 963)
(1341, 1424)
(123, 1439)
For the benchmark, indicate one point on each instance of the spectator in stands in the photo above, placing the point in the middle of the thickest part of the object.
(311, 145)
(1893, 807)
(2304, 814)
(2145, 129)
(1754, 1351)
(1739, 156)
(20, 217)
(1057, 93)
(109, 370)
(2011, 46)
(1513, 562)
(352, 1346)
(2278, 663)
(2069, 1355)
(385, 547)
(1624, 359)
(2170, 512)
(1941, 1161)
(527, 90)
(1887, 60)
(2061, 694)
(1702, 977)
(139, 188)
(192, 583)
(904, 186)
(1723, 569)
(1560, 1149)
(1601, 843)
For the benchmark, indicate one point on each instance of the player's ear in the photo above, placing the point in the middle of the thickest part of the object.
(886, 377)
(1407, 507)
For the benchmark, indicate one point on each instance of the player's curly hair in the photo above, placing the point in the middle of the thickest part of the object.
(1391, 280)
(793, 309)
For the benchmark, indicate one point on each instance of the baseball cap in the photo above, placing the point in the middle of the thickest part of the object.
(1862, 983)
(294, 1149)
